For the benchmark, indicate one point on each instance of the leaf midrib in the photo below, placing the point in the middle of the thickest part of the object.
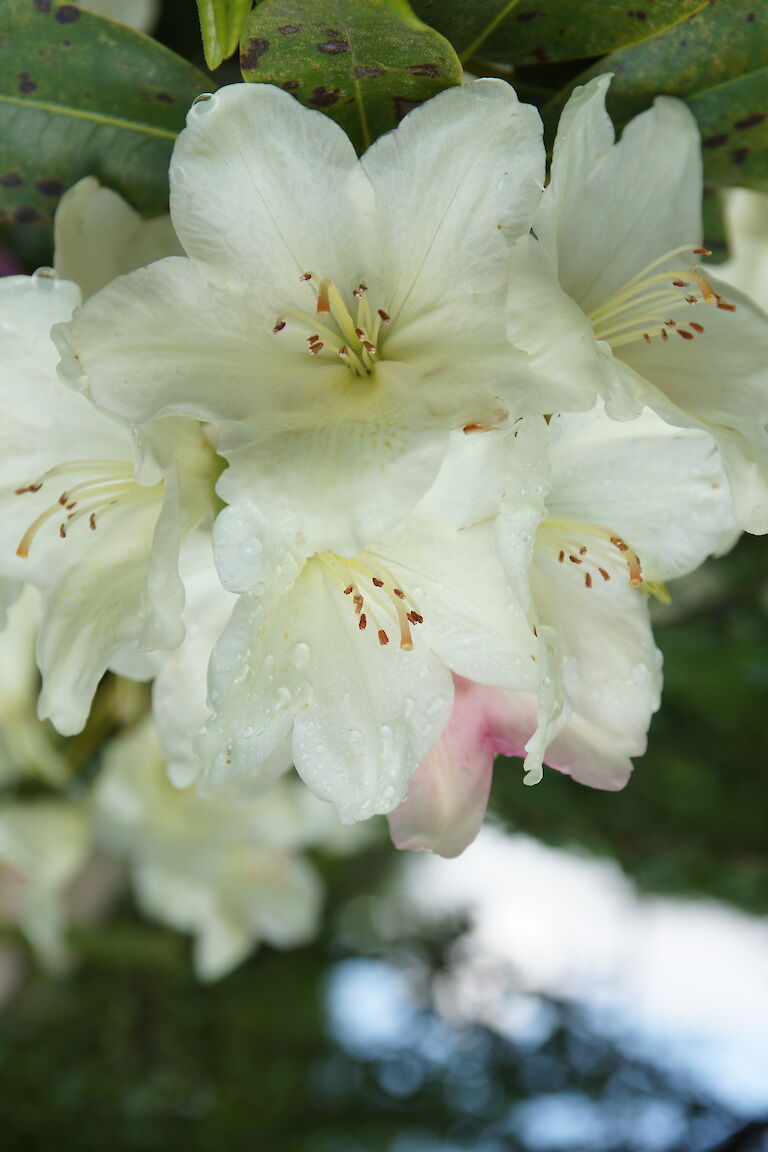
(93, 117)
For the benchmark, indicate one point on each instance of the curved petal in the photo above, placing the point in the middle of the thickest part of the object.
(606, 212)
(237, 175)
(474, 160)
(660, 488)
(717, 382)
(98, 236)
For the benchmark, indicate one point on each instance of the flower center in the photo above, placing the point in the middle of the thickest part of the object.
(376, 598)
(334, 331)
(109, 484)
(589, 549)
(645, 306)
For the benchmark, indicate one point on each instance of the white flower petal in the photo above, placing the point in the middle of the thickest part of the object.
(661, 488)
(234, 176)
(98, 236)
(606, 213)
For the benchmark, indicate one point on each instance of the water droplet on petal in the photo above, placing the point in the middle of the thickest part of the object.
(301, 654)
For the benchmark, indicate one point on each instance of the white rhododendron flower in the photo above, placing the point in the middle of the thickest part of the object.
(612, 288)
(342, 665)
(623, 507)
(43, 847)
(335, 317)
(230, 875)
(89, 514)
(746, 216)
(26, 746)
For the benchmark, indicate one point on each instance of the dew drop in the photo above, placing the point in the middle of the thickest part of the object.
(251, 548)
(435, 705)
(301, 654)
(283, 698)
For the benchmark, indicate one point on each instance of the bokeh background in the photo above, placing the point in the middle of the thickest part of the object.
(591, 976)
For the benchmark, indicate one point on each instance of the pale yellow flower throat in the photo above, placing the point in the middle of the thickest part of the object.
(354, 341)
(644, 307)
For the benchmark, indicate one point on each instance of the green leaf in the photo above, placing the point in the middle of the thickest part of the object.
(221, 22)
(82, 95)
(365, 63)
(717, 61)
(528, 31)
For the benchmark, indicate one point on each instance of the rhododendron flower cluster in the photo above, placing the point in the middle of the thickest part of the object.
(372, 466)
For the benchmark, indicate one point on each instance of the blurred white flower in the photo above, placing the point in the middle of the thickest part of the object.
(229, 875)
(43, 847)
(746, 216)
(612, 288)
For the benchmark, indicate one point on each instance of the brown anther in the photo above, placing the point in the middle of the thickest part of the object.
(63, 499)
(278, 327)
(414, 618)
(383, 638)
(370, 348)
(665, 335)
(696, 327)
(72, 504)
(313, 339)
(680, 283)
(535, 632)
(691, 299)
(63, 531)
(646, 337)
(702, 252)
(619, 543)
(348, 590)
(376, 582)
(315, 348)
(583, 550)
(360, 291)
(29, 488)
(671, 323)
(383, 316)
(605, 575)
(726, 307)
(360, 334)
(685, 335)
(343, 351)
(575, 559)
(358, 603)
(306, 276)
(587, 579)
(561, 557)
(92, 521)
(362, 622)
(399, 593)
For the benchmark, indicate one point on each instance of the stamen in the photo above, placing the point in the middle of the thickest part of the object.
(590, 556)
(353, 341)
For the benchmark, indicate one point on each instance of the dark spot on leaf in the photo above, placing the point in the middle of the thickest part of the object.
(363, 72)
(324, 97)
(637, 14)
(523, 16)
(750, 17)
(542, 55)
(50, 187)
(333, 47)
(715, 141)
(250, 56)
(291, 85)
(403, 106)
(26, 215)
(67, 43)
(165, 97)
(11, 180)
(739, 155)
(289, 29)
(332, 32)
(42, 5)
(424, 69)
(750, 121)
(26, 83)
(67, 14)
